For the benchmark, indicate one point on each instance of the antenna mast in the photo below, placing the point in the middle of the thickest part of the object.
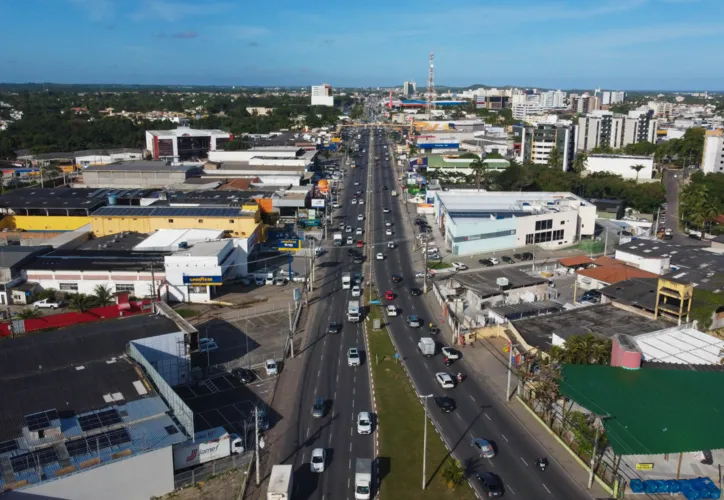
(431, 84)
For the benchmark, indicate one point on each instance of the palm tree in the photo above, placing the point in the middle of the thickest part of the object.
(555, 158)
(453, 474)
(638, 168)
(697, 205)
(480, 172)
(80, 302)
(103, 295)
(580, 162)
(49, 171)
(28, 313)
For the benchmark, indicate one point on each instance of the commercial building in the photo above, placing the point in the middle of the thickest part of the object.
(477, 222)
(492, 102)
(585, 103)
(291, 156)
(606, 129)
(612, 97)
(438, 143)
(185, 144)
(322, 95)
(138, 175)
(525, 105)
(13, 261)
(712, 161)
(538, 140)
(622, 165)
(409, 89)
(91, 157)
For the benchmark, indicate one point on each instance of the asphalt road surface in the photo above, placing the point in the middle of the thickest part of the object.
(479, 412)
(325, 373)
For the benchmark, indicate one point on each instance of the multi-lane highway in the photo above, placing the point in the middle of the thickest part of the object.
(325, 373)
(479, 412)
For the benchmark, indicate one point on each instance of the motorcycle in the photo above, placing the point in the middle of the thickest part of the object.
(542, 463)
(460, 378)
(447, 361)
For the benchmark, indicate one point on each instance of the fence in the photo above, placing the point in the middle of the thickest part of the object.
(213, 468)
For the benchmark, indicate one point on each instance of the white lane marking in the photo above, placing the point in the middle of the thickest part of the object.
(546, 487)
(307, 431)
(523, 459)
(353, 390)
(487, 416)
(506, 439)
(511, 489)
(458, 416)
(351, 432)
(319, 372)
(350, 447)
(471, 397)
(329, 441)
(338, 377)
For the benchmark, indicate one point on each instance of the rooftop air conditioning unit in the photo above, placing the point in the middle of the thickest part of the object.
(502, 282)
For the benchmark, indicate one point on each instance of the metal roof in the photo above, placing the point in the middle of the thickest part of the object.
(681, 345)
(167, 212)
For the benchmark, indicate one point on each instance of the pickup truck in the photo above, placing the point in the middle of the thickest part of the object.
(48, 304)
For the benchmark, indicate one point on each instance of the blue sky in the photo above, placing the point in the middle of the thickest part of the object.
(626, 44)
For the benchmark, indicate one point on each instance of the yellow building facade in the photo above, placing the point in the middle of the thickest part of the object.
(44, 222)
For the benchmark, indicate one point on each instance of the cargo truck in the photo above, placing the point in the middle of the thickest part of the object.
(338, 239)
(207, 446)
(353, 312)
(346, 281)
(427, 346)
(280, 483)
(363, 479)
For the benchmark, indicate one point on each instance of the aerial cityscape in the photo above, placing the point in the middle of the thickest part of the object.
(440, 252)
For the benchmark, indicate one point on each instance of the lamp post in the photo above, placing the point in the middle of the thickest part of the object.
(424, 440)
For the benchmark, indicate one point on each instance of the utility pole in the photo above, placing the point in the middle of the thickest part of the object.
(424, 442)
(256, 425)
(291, 331)
(510, 369)
(424, 260)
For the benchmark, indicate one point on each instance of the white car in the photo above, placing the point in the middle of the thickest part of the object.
(47, 304)
(336, 204)
(358, 231)
(391, 310)
(348, 229)
(360, 217)
(354, 201)
(386, 210)
(356, 183)
(380, 256)
(494, 261)
(364, 423)
(445, 380)
(388, 224)
(361, 202)
(388, 232)
(271, 367)
(450, 353)
(356, 291)
(459, 266)
(390, 244)
(341, 226)
(353, 358)
(319, 458)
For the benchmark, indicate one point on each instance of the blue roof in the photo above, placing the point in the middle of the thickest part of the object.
(167, 212)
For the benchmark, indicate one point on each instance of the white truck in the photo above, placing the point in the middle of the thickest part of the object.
(427, 346)
(280, 483)
(363, 479)
(207, 446)
(353, 312)
(346, 281)
(338, 239)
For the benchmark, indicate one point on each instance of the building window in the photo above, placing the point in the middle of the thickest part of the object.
(171, 221)
(125, 287)
(68, 287)
(541, 225)
(231, 221)
(563, 223)
(198, 289)
(529, 239)
(201, 221)
(558, 235)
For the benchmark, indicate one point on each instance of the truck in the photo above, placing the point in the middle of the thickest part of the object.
(353, 312)
(346, 281)
(363, 479)
(427, 346)
(393, 193)
(338, 239)
(280, 483)
(206, 446)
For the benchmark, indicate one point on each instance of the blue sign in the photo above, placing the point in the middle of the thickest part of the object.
(375, 302)
(203, 280)
(290, 245)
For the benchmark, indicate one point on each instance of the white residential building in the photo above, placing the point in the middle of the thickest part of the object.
(606, 129)
(712, 160)
(525, 105)
(322, 95)
(553, 99)
(661, 108)
(621, 165)
(585, 103)
(538, 140)
(409, 89)
(608, 98)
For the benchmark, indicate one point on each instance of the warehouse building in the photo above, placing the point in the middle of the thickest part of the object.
(477, 222)
(184, 144)
(138, 175)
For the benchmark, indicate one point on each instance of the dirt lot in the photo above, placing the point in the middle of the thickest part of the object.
(226, 486)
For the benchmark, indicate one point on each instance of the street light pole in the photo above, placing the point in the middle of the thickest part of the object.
(424, 441)
(510, 368)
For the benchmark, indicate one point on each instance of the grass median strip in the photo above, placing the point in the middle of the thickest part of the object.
(400, 415)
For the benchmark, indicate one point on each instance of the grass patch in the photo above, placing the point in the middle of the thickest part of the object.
(590, 246)
(704, 305)
(401, 429)
(186, 313)
(439, 265)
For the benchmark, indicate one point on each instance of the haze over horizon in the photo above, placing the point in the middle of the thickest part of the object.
(637, 45)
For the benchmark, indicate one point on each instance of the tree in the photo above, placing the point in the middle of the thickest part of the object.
(555, 158)
(413, 149)
(28, 313)
(580, 163)
(697, 205)
(103, 295)
(638, 168)
(80, 302)
(480, 173)
(50, 171)
(453, 474)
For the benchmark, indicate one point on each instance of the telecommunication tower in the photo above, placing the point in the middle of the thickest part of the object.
(431, 84)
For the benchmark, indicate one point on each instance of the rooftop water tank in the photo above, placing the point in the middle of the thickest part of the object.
(625, 352)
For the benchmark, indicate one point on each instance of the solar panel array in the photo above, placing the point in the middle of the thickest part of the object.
(33, 459)
(103, 418)
(167, 212)
(40, 420)
(92, 444)
(8, 446)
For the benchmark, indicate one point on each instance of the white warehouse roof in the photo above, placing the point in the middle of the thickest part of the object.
(168, 240)
(188, 132)
(681, 345)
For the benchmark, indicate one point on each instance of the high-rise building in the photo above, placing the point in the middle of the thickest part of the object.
(606, 129)
(617, 97)
(525, 105)
(712, 161)
(553, 99)
(322, 95)
(584, 103)
(409, 89)
(608, 97)
(537, 142)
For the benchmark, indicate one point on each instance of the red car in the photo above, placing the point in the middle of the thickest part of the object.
(360, 244)
(389, 295)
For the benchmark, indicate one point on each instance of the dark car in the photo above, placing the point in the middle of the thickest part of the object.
(318, 408)
(396, 278)
(415, 292)
(518, 256)
(445, 404)
(334, 327)
(358, 259)
(243, 375)
(351, 252)
(491, 484)
(508, 260)
(485, 262)
(527, 256)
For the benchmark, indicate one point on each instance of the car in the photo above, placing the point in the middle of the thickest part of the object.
(353, 357)
(354, 201)
(391, 310)
(358, 231)
(459, 266)
(247, 280)
(396, 278)
(390, 244)
(360, 217)
(494, 261)
(389, 295)
(280, 281)
(415, 292)
(445, 380)
(47, 304)
(388, 232)
(360, 243)
(334, 327)
(361, 202)
(528, 256)
(208, 346)
(483, 447)
(271, 367)
(269, 280)
(318, 460)
(356, 183)
(508, 260)
(445, 403)
(413, 321)
(350, 240)
(319, 408)
(336, 204)
(356, 291)
(259, 280)
(450, 353)
(491, 484)
(364, 423)
(348, 229)
(380, 256)
(243, 375)
(358, 259)
(341, 226)
(518, 256)
(385, 210)
(388, 224)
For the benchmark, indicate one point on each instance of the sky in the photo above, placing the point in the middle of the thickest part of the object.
(582, 44)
